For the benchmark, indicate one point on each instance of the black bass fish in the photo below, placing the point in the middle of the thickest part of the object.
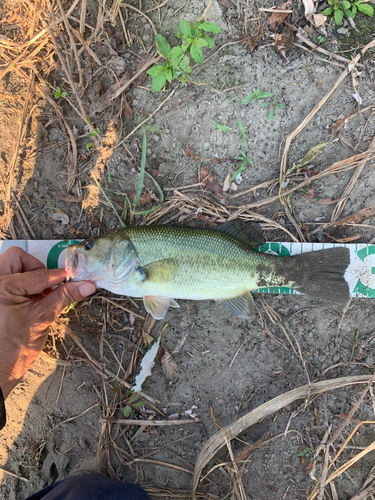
(164, 263)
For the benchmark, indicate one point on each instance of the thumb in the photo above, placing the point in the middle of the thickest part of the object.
(65, 295)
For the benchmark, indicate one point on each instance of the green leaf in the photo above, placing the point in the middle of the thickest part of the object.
(331, 2)
(139, 404)
(156, 70)
(127, 411)
(163, 45)
(133, 398)
(328, 11)
(346, 4)
(168, 74)
(184, 63)
(354, 11)
(158, 82)
(349, 13)
(211, 27)
(200, 42)
(366, 9)
(210, 41)
(339, 16)
(270, 115)
(185, 27)
(240, 126)
(254, 94)
(265, 95)
(264, 104)
(220, 127)
(175, 52)
(197, 54)
(280, 106)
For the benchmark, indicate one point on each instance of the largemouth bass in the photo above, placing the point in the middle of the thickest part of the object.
(163, 263)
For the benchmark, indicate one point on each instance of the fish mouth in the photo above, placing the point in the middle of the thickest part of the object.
(71, 262)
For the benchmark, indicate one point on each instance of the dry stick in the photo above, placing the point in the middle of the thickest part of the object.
(19, 58)
(82, 19)
(323, 51)
(14, 475)
(158, 6)
(72, 85)
(104, 370)
(146, 120)
(334, 63)
(38, 35)
(291, 136)
(72, 42)
(216, 442)
(145, 423)
(127, 6)
(322, 483)
(235, 467)
(309, 117)
(351, 185)
(148, 63)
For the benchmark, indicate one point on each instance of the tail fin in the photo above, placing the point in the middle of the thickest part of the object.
(321, 274)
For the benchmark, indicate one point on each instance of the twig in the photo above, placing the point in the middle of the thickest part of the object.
(14, 475)
(146, 120)
(131, 7)
(145, 423)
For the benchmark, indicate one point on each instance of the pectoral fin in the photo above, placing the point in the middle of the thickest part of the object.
(242, 306)
(158, 306)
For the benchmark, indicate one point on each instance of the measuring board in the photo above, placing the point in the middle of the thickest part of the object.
(360, 274)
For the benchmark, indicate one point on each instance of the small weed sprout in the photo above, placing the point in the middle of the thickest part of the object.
(177, 64)
(60, 93)
(350, 7)
(269, 100)
(90, 146)
(243, 162)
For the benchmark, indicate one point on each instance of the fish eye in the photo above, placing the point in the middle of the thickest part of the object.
(89, 244)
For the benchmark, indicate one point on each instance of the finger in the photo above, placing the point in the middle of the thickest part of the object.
(33, 282)
(65, 295)
(16, 260)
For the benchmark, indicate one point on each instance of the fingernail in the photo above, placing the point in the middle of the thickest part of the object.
(86, 289)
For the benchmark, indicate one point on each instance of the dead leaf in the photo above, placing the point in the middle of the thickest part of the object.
(357, 218)
(283, 42)
(208, 180)
(59, 217)
(310, 195)
(244, 454)
(226, 185)
(128, 112)
(309, 7)
(348, 239)
(147, 198)
(327, 201)
(100, 89)
(255, 40)
(190, 153)
(119, 43)
(170, 367)
(276, 19)
(155, 173)
(142, 76)
(275, 489)
(225, 3)
(117, 64)
(319, 19)
(308, 30)
(69, 198)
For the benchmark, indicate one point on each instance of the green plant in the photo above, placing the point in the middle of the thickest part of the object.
(132, 403)
(320, 39)
(306, 451)
(177, 64)
(90, 146)
(243, 161)
(242, 130)
(338, 7)
(59, 93)
(95, 133)
(220, 127)
(269, 100)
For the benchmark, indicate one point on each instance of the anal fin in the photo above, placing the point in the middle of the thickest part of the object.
(242, 306)
(158, 306)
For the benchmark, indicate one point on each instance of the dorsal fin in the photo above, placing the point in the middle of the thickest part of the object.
(241, 231)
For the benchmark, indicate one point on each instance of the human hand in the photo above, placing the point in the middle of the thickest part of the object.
(28, 305)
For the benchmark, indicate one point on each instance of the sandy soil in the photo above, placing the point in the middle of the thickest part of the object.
(226, 367)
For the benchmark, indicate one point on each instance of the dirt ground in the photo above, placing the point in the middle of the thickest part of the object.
(67, 415)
